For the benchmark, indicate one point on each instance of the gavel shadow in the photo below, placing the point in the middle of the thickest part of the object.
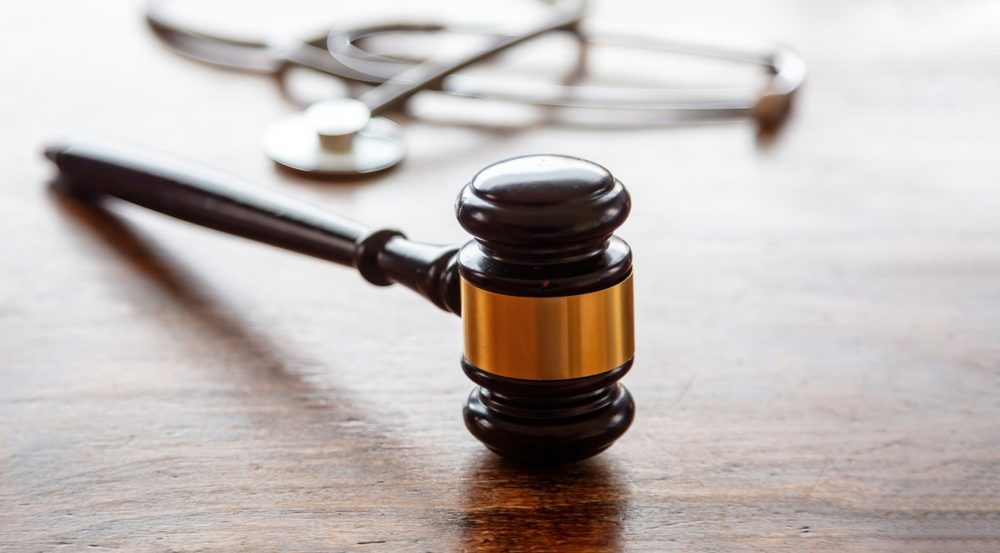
(577, 507)
(263, 364)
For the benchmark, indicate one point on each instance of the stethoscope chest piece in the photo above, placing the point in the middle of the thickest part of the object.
(335, 137)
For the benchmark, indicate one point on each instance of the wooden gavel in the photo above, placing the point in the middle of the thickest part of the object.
(544, 289)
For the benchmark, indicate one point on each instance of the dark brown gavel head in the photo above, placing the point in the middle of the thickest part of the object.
(546, 296)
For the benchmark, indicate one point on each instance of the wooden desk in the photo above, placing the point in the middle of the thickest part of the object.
(818, 364)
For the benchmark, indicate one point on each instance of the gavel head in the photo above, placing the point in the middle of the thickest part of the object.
(546, 307)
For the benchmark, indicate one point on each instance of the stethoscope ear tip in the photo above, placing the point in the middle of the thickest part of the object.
(772, 110)
(775, 103)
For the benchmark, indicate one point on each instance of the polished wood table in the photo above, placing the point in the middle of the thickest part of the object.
(818, 314)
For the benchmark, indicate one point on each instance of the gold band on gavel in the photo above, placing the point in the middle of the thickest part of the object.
(552, 338)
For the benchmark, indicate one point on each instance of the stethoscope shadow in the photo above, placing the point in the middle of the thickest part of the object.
(765, 139)
(577, 507)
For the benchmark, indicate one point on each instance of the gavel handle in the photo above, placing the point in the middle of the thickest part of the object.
(197, 194)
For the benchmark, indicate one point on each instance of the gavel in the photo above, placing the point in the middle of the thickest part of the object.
(544, 289)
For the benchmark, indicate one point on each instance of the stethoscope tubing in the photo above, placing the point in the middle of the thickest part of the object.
(336, 53)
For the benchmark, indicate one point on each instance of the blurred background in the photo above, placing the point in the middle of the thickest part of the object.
(817, 310)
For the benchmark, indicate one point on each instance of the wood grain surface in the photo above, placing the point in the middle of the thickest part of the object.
(818, 316)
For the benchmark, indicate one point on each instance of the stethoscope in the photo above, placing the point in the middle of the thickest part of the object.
(350, 136)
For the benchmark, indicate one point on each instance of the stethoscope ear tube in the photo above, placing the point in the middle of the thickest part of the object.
(784, 69)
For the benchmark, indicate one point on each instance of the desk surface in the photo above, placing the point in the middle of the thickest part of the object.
(817, 317)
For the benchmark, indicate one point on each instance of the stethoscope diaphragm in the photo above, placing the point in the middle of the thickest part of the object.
(337, 136)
